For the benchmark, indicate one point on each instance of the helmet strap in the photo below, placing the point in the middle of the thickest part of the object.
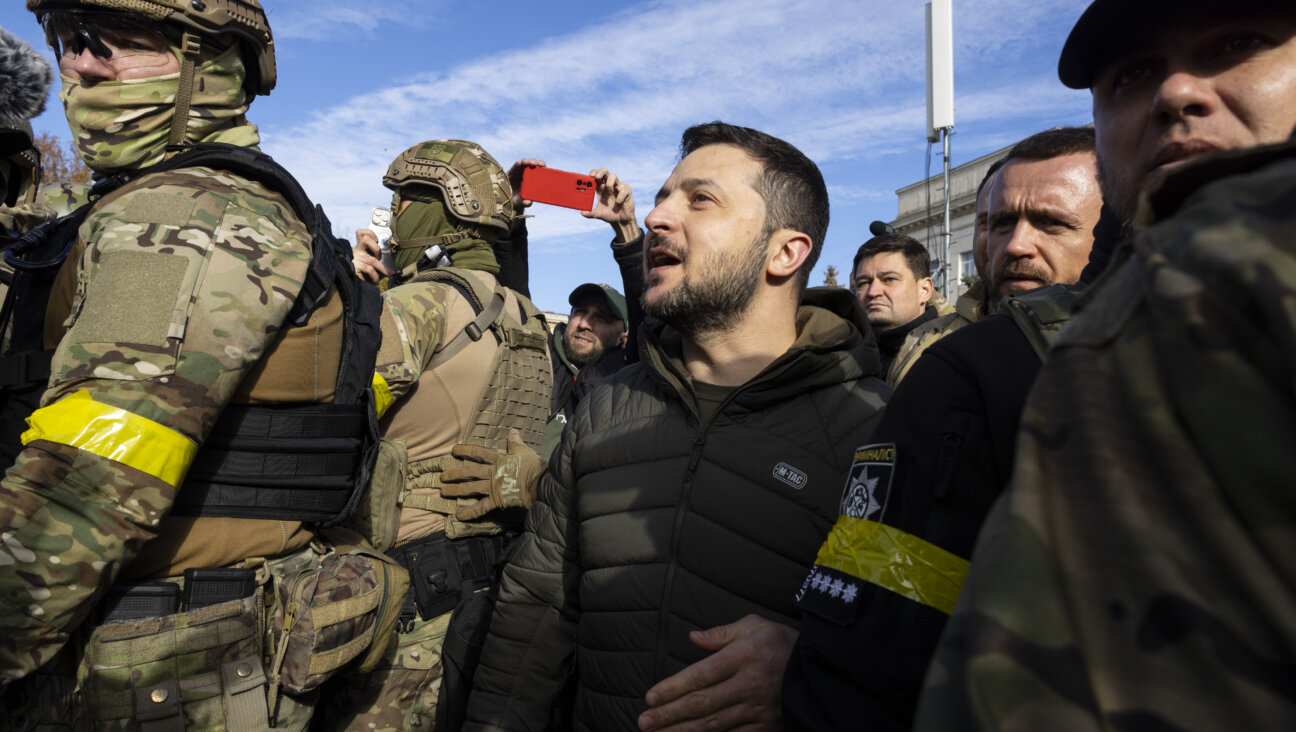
(190, 47)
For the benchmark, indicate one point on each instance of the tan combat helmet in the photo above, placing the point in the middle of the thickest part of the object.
(474, 187)
(242, 19)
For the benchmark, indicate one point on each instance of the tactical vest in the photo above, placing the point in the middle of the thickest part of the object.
(514, 396)
(1040, 314)
(281, 462)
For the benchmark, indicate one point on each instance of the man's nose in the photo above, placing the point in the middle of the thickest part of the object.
(1183, 94)
(89, 67)
(1024, 242)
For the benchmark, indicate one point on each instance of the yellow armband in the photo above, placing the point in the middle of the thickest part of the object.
(116, 434)
(382, 394)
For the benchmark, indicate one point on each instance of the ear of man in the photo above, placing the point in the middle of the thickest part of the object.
(787, 251)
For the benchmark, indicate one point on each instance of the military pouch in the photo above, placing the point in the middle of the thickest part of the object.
(377, 516)
(443, 572)
(196, 669)
(338, 609)
(435, 579)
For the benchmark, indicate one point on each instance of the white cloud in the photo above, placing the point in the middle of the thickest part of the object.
(324, 20)
(841, 79)
(836, 78)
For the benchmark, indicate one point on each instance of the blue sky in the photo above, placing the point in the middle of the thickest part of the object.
(584, 86)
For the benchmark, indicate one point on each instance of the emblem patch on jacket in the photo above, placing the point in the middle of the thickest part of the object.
(868, 484)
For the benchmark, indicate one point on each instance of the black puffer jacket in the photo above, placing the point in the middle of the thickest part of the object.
(650, 525)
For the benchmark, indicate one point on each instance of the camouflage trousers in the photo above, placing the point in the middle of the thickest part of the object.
(400, 694)
(212, 668)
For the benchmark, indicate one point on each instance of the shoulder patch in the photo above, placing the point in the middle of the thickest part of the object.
(868, 485)
(155, 207)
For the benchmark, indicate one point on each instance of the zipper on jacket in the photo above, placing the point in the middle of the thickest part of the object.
(695, 458)
(672, 559)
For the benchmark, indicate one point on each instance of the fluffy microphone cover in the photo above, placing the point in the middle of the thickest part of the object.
(24, 80)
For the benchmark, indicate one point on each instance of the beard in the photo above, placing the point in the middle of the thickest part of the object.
(581, 359)
(1018, 269)
(715, 295)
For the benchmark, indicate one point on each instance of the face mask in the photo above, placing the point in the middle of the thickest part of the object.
(125, 125)
(420, 220)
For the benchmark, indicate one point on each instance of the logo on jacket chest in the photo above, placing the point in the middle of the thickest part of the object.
(790, 475)
(869, 483)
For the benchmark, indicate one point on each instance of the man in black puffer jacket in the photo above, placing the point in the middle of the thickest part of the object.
(691, 490)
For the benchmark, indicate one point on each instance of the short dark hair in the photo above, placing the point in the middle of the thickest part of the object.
(915, 254)
(791, 185)
(1054, 143)
(990, 173)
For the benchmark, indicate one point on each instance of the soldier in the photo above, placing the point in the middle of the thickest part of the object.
(465, 361)
(1135, 577)
(209, 404)
(942, 453)
(969, 307)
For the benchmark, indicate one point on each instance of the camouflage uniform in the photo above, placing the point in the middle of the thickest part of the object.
(967, 310)
(438, 403)
(1135, 576)
(177, 311)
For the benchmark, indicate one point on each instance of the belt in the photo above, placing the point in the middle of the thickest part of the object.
(201, 588)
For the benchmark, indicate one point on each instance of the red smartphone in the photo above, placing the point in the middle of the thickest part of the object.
(558, 188)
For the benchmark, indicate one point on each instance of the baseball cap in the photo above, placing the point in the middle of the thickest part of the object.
(1111, 29)
(615, 300)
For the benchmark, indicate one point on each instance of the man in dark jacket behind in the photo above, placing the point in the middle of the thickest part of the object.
(691, 489)
(586, 349)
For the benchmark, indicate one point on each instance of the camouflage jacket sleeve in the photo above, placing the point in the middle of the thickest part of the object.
(532, 634)
(413, 327)
(1137, 574)
(186, 279)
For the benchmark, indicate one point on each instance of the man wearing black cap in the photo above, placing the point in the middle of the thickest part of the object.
(584, 350)
(1135, 577)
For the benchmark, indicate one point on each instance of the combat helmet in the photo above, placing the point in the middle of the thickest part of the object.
(242, 19)
(474, 187)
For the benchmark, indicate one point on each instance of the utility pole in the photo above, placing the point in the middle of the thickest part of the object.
(940, 109)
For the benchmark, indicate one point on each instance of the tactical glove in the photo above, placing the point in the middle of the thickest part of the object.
(504, 480)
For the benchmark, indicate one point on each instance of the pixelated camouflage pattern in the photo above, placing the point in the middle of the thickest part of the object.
(966, 310)
(72, 519)
(125, 125)
(401, 694)
(1137, 575)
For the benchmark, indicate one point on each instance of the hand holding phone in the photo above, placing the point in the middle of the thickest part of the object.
(558, 188)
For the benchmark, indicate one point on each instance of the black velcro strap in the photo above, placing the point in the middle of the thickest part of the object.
(310, 422)
(259, 502)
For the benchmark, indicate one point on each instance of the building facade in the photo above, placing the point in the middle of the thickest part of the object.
(921, 211)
